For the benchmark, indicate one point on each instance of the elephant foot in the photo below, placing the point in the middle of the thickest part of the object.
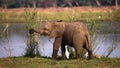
(53, 57)
(90, 57)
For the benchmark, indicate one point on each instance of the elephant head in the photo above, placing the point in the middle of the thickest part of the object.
(51, 29)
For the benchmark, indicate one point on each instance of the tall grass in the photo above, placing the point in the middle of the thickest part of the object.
(32, 21)
(116, 15)
(4, 37)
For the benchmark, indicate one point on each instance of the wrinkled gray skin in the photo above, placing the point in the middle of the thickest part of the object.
(73, 34)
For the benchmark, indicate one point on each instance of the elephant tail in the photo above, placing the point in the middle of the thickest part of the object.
(88, 42)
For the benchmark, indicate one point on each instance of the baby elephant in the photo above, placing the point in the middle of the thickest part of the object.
(73, 34)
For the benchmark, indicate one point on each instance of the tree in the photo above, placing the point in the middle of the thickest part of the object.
(3, 3)
(34, 3)
(116, 4)
(97, 2)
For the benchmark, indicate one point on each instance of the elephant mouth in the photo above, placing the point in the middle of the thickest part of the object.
(45, 34)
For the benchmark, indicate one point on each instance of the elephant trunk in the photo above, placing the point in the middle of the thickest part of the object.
(31, 31)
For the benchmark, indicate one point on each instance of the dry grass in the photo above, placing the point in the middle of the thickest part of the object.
(60, 9)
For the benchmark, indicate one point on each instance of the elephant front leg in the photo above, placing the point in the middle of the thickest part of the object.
(56, 46)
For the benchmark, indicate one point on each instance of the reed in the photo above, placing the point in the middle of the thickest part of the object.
(32, 21)
(4, 37)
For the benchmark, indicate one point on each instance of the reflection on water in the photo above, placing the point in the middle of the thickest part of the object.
(45, 46)
(14, 43)
(104, 43)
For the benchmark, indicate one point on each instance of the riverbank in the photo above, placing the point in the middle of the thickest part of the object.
(37, 62)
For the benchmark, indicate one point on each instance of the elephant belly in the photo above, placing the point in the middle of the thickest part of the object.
(68, 36)
(67, 40)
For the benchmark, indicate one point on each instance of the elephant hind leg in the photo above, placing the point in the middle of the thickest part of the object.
(90, 55)
(78, 54)
(78, 49)
(78, 45)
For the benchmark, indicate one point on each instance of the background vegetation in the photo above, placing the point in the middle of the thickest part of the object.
(56, 3)
(66, 14)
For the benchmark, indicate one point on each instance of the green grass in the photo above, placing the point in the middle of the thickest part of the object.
(37, 62)
(53, 15)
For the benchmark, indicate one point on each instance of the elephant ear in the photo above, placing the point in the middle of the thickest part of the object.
(52, 34)
(57, 29)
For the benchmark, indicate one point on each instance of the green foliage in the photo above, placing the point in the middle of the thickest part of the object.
(32, 47)
(32, 18)
(116, 15)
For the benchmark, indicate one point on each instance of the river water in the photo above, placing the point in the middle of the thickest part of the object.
(13, 43)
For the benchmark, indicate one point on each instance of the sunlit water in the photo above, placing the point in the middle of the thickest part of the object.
(14, 43)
